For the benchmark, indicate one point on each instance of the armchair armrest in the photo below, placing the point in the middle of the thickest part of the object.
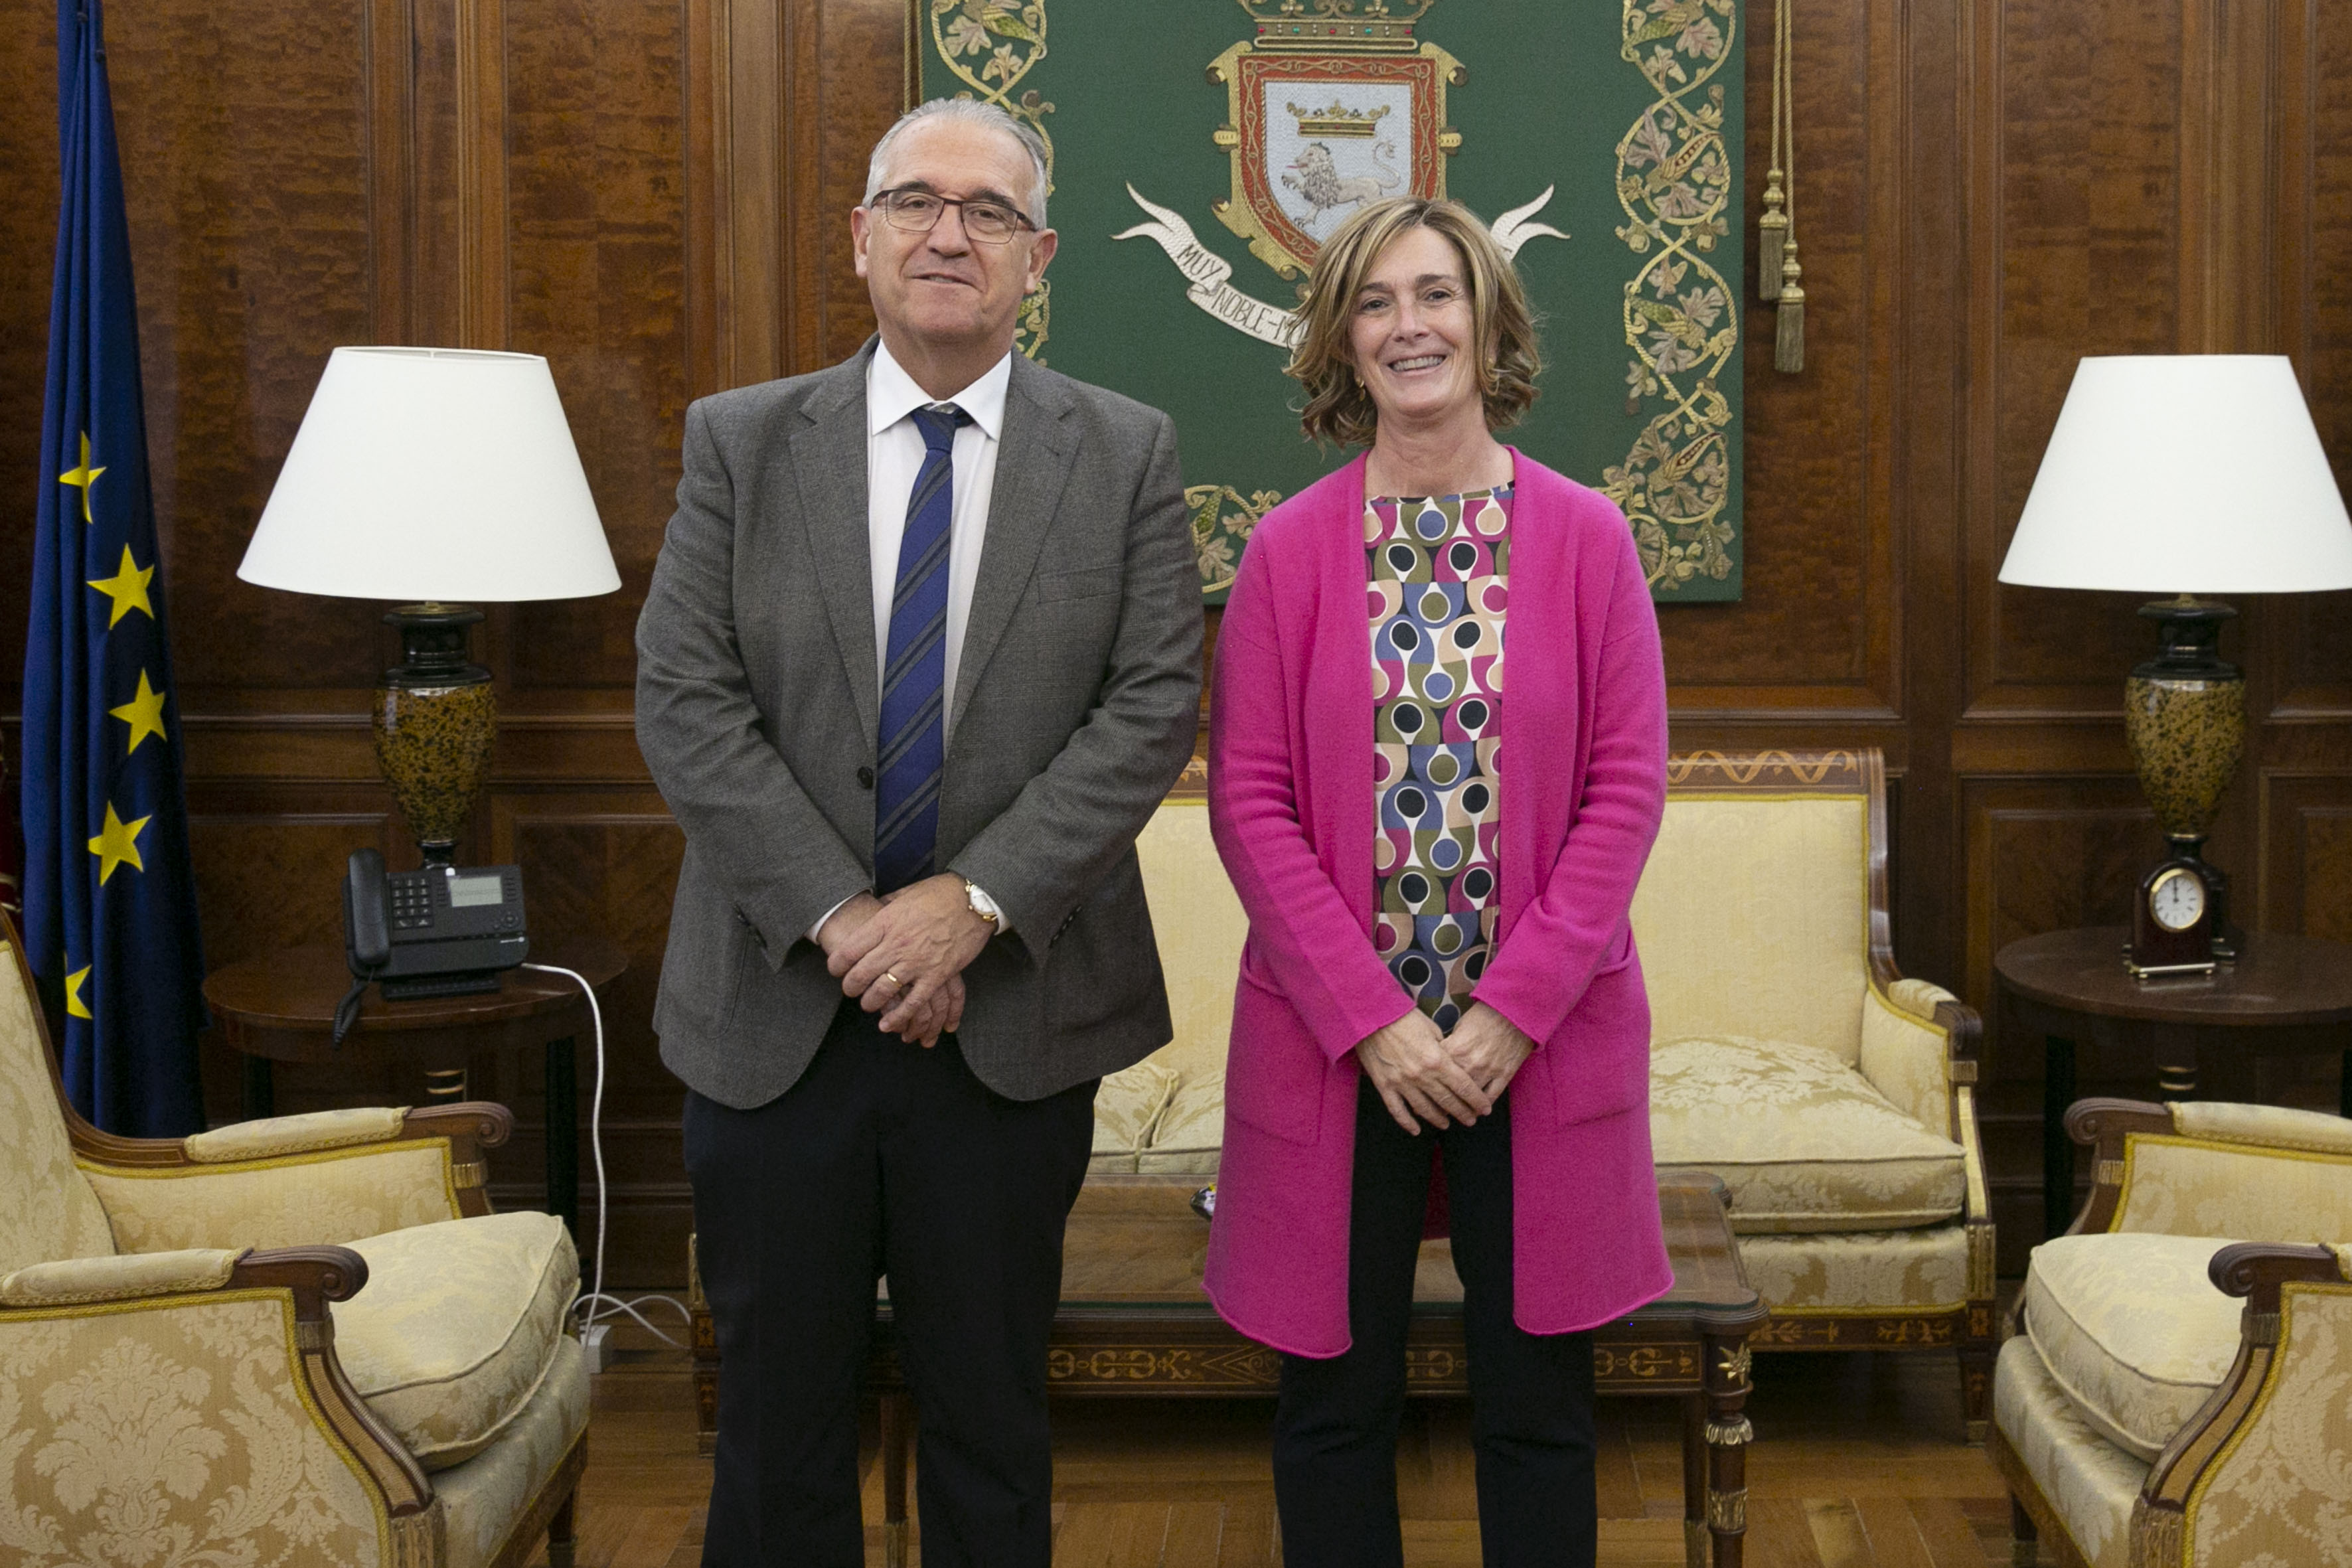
(123, 1277)
(303, 1135)
(2199, 1168)
(295, 1181)
(1919, 1048)
(238, 1358)
(2220, 1479)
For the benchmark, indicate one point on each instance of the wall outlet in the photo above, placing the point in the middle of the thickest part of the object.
(595, 1344)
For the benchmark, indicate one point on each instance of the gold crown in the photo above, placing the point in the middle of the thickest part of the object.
(1338, 121)
(1336, 26)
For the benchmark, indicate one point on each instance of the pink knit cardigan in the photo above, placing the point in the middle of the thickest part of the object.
(1581, 766)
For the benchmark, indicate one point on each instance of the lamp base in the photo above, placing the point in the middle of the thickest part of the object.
(2184, 720)
(435, 720)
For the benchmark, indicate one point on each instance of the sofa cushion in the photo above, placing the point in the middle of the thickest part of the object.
(456, 1326)
(1801, 1140)
(1191, 1134)
(1126, 1106)
(2131, 1327)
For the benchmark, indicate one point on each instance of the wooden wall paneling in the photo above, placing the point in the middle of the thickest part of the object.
(596, 207)
(247, 190)
(28, 232)
(2307, 847)
(2076, 204)
(1815, 639)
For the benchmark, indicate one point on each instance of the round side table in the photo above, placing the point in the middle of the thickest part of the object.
(281, 1007)
(2286, 996)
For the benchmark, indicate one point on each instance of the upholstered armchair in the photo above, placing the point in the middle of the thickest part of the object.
(2179, 1386)
(1834, 1098)
(302, 1341)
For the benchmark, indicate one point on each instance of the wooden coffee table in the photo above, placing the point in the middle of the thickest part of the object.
(1133, 1321)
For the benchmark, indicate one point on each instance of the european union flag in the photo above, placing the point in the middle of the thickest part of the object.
(110, 895)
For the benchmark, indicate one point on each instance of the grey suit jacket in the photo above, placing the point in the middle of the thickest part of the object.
(1076, 703)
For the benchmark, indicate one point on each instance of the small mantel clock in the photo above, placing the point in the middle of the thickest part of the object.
(2174, 921)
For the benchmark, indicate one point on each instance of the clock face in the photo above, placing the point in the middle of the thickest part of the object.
(2178, 900)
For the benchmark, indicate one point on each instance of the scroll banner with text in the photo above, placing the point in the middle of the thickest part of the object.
(1202, 150)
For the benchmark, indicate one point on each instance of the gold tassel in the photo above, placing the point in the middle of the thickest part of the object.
(1789, 349)
(1772, 228)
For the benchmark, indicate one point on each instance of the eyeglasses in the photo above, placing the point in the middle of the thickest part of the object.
(918, 212)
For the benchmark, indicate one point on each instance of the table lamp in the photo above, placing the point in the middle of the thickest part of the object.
(430, 477)
(2188, 475)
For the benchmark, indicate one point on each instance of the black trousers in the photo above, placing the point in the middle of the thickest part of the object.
(1335, 1425)
(884, 1157)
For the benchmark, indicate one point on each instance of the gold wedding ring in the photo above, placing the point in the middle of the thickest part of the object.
(896, 984)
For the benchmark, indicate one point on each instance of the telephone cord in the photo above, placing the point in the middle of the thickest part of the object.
(588, 1305)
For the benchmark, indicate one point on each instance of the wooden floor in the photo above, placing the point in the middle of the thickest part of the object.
(1856, 1464)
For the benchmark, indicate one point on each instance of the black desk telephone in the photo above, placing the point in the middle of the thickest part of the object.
(442, 931)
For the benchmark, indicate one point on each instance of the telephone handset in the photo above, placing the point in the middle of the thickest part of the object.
(441, 931)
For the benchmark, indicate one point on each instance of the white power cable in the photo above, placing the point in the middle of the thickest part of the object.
(588, 1305)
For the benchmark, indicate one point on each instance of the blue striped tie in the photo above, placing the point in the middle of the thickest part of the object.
(914, 668)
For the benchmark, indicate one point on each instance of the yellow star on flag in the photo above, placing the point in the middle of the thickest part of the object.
(143, 714)
(83, 476)
(127, 588)
(117, 843)
(75, 1006)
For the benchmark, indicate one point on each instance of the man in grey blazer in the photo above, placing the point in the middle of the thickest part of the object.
(920, 655)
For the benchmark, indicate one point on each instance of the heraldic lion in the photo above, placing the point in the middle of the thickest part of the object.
(1317, 178)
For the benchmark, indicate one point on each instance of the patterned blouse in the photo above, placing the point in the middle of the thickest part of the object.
(1439, 568)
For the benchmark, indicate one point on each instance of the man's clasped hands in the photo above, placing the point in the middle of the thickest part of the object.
(904, 955)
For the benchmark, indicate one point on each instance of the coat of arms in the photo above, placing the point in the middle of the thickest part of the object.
(1333, 105)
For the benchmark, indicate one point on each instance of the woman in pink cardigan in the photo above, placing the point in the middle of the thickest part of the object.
(1436, 869)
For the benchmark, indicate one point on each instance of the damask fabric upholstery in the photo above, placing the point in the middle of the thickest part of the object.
(1191, 1134)
(1878, 1270)
(2254, 1194)
(2283, 1494)
(148, 1434)
(1197, 919)
(2088, 1480)
(2131, 1327)
(335, 1197)
(2270, 1125)
(1801, 1140)
(48, 1211)
(112, 1278)
(1905, 1056)
(1752, 917)
(294, 1134)
(482, 1499)
(1127, 1107)
(458, 1323)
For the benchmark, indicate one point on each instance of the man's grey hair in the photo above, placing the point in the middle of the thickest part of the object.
(972, 111)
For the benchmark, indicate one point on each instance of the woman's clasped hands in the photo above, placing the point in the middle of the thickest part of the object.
(1426, 1076)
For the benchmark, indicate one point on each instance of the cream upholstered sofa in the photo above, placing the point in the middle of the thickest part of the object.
(300, 1341)
(1834, 1098)
(2178, 1390)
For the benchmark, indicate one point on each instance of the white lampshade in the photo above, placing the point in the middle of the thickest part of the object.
(2184, 474)
(433, 474)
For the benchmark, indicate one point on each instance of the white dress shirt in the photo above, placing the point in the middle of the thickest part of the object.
(894, 458)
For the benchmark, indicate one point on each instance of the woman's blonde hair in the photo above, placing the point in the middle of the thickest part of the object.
(1338, 408)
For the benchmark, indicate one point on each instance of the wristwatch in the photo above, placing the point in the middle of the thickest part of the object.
(981, 904)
